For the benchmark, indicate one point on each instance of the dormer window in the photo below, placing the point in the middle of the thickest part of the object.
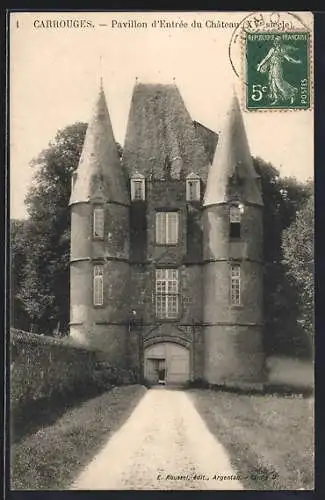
(235, 220)
(193, 187)
(138, 189)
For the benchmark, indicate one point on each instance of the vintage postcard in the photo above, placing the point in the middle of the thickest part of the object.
(161, 237)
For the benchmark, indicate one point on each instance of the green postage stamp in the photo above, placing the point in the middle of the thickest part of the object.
(277, 70)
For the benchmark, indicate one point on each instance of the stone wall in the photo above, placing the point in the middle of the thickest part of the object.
(102, 327)
(233, 353)
(207, 324)
(233, 334)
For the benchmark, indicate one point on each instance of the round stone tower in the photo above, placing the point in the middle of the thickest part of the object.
(233, 260)
(99, 264)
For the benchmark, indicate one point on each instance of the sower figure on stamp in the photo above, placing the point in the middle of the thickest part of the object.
(279, 89)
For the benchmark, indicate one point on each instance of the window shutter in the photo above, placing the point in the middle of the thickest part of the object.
(167, 228)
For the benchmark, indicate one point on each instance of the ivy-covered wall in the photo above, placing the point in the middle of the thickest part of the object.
(43, 368)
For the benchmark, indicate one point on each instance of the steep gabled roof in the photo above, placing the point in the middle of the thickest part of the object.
(100, 174)
(232, 159)
(160, 133)
(208, 137)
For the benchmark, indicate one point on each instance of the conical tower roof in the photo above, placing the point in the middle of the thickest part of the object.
(100, 174)
(232, 157)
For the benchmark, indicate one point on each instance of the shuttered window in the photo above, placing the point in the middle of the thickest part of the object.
(167, 228)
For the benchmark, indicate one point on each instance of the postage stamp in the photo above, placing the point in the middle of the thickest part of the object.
(277, 70)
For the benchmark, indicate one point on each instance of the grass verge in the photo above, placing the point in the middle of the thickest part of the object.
(270, 439)
(51, 458)
(28, 418)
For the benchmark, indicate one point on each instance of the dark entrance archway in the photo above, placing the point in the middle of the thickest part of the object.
(167, 362)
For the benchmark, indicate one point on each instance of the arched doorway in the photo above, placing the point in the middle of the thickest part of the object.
(167, 362)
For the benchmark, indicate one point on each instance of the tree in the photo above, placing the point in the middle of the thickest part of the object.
(18, 316)
(297, 245)
(45, 285)
(283, 197)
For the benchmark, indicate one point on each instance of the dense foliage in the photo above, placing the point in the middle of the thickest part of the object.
(297, 244)
(17, 265)
(283, 198)
(40, 251)
(47, 375)
(44, 288)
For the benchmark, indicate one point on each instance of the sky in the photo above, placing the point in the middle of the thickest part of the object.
(55, 73)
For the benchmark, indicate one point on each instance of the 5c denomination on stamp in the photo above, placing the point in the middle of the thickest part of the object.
(277, 70)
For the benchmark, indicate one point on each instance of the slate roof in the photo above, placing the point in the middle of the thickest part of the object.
(161, 135)
(162, 140)
(208, 137)
(100, 174)
(232, 157)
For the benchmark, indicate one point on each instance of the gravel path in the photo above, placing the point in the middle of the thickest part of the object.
(164, 445)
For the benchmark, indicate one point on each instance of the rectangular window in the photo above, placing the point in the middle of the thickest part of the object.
(137, 189)
(167, 293)
(98, 285)
(235, 284)
(167, 228)
(98, 223)
(193, 190)
(235, 218)
(138, 195)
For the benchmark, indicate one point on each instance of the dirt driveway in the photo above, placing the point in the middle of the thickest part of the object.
(164, 445)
